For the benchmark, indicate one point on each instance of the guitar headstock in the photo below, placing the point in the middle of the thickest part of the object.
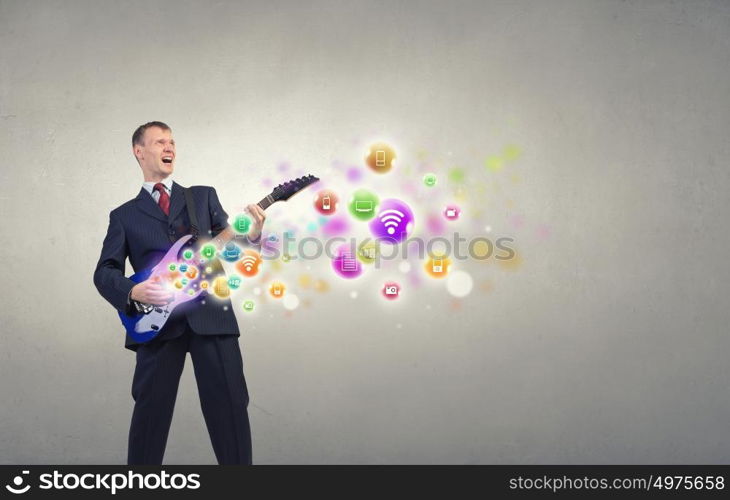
(284, 191)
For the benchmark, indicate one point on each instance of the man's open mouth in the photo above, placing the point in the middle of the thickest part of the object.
(167, 159)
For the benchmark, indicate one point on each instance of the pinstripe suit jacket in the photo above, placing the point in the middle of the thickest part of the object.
(139, 230)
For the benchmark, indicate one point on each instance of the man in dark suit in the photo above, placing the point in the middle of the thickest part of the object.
(142, 230)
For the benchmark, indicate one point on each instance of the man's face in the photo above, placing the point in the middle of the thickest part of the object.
(157, 155)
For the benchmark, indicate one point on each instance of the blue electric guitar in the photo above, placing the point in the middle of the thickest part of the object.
(185, 276)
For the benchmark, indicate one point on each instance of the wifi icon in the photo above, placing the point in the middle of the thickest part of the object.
(248, 264)
(391, 219)
(394, 221)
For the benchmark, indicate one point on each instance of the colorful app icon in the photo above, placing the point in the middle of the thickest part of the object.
(380, 157)
(368, 251)
(231, 252)
(234, 282)
(326, 202)
(250, 263)
(394, 221)
(452, 212)
(277, 289)
(345, 262)
(248, 305)
(208, 251)
(391, 290)
(242, 224)
(363, 205)
(437, 266)
(220, 288)
(429, 180)
(188, 254)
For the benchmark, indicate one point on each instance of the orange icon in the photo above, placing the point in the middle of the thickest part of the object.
(277, 289)
(437, 266)
(220, 288)
(249, 263)
(380, 157)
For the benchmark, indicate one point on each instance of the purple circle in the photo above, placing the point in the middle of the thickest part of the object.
(345, 262)
(394, 221)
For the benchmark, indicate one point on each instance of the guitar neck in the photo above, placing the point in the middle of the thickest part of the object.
(266, 202)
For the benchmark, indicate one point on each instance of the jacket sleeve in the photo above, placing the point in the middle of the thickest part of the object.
(109, 274)
(218, 216)
(219, 221)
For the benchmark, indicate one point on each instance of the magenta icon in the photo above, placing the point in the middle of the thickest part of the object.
(345, 262)
(394, 221)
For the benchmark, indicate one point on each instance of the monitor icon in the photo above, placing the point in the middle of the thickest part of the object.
(363, 206)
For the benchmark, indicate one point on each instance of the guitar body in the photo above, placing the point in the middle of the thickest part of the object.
(144, 334)
(143, 327)
(182, 281)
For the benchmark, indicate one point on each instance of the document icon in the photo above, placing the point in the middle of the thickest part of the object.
(348, 262)
(438, 266)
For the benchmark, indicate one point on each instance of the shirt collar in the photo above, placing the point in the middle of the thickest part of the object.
(150, 186)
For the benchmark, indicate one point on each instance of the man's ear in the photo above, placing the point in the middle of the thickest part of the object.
(135, 151)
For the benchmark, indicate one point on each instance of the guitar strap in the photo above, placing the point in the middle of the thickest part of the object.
(190, 204)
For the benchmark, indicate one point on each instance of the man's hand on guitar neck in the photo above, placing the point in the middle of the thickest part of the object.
(254, 234)
(259, 216)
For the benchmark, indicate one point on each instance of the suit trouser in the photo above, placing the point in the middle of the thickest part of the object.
(218, 367)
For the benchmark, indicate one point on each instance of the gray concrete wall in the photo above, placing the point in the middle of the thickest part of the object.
(608, 344)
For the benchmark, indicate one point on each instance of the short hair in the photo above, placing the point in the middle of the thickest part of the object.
(138, 136)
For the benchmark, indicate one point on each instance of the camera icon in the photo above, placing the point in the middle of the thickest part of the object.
(391, 291)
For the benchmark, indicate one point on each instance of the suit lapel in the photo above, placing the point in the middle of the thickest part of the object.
(148, 205)
(177, 200)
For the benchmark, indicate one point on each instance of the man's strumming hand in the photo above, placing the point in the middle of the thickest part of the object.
(151, 292)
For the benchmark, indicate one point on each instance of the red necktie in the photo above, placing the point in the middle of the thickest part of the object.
(164, 201)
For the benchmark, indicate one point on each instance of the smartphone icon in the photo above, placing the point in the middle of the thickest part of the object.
(380, 158)
(326, 203)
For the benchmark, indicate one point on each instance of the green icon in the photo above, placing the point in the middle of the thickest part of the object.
(364, 204)
(248, 306)
(234, 282)
(171, 267)
(188, 254)
(242, 224)
(191, 292)
(208, 251)
(429, 180)
(184, 281)
(368, 251)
